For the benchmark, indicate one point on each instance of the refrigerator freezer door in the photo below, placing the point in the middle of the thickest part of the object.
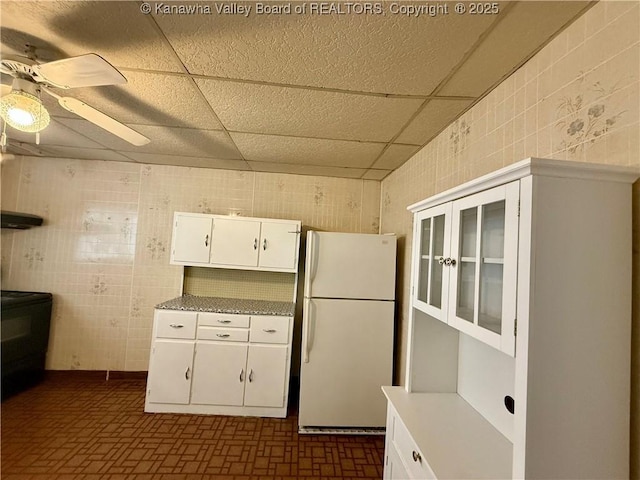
(347, 355)
(349, 265)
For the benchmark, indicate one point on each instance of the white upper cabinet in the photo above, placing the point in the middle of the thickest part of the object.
(466, 267)
(235, 242)
(191, 239)
(278, 245)
(432, 238)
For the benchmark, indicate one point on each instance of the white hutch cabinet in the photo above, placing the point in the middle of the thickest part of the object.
(518, 353)
(227, 352)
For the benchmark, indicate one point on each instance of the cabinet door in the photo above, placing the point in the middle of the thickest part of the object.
(191, 239)
(266, 377)
(219, 374)
(278, 246)
(235, 242)
(432, 242)
(484, 246)
(394, 468)
(170, 370)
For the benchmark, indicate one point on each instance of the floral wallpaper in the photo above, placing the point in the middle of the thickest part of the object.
(104, 248)
(586, 116)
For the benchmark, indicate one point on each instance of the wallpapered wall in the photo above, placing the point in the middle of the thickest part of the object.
(104, 250)
(577, 99)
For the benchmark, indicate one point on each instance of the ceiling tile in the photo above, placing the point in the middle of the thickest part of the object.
(307, 169)
(150, 98)
(436, 115)
(307, 151)
(386, 53)
(116, 31)
(302, 112)
(511, 42)
(183, 161)
(372, 174)
(164, 140)
(83, 153)
(394, 156)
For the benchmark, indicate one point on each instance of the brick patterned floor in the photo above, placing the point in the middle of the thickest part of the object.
(76, 425)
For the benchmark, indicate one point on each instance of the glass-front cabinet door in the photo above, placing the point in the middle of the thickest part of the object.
(483, 265)
(431, 234)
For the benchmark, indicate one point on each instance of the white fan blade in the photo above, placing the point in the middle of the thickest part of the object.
(88, 70)
(103, 121)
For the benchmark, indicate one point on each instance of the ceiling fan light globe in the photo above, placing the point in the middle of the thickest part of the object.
(21, 117)
(24, 112)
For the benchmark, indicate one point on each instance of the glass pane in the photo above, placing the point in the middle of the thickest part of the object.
(436, 267)
(491, 268)
(466, 283)
(493, 230)
(423, 279)
(490, 313)
(423, 273)
(468, 232)
(425, 236)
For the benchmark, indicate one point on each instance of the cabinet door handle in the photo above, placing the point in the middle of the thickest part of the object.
(269, 330)
(251, 375)
(176, 325)
(186, 374)
(206, 241)
(264, 244)
(222, 335)
(441, 260)
(224, 321)
(255, 243)
(416, 456)
(242, 375)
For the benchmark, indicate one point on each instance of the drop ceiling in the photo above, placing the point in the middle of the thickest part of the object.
(336, 94)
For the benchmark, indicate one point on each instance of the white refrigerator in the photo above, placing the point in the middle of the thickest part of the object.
(347, 331)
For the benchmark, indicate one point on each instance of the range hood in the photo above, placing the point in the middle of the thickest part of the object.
(20, 221)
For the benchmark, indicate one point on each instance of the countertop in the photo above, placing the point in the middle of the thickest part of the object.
(195, 303)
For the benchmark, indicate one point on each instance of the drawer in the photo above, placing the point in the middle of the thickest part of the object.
(223, 334)
(409, 453)
(175, 324)
(223, 320)
(266, 329)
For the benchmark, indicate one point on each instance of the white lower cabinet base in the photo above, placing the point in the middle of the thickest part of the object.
(219, 364)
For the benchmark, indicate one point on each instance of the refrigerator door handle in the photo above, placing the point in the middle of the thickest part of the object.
(312, 266)
(307, 327)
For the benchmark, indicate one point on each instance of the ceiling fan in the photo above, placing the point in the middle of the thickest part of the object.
(23, 108)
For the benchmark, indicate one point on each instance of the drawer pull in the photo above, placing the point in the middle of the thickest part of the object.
(269, 330)
(206, 241)
(251, 375)
(222, 335)
(186, 374)
(176, 325)
(264, 244)
(255, 243)
(224, 321)
(242, 375)
(416, 456)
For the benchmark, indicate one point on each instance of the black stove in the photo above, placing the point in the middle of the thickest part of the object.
(24, 338)
(10, 298)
